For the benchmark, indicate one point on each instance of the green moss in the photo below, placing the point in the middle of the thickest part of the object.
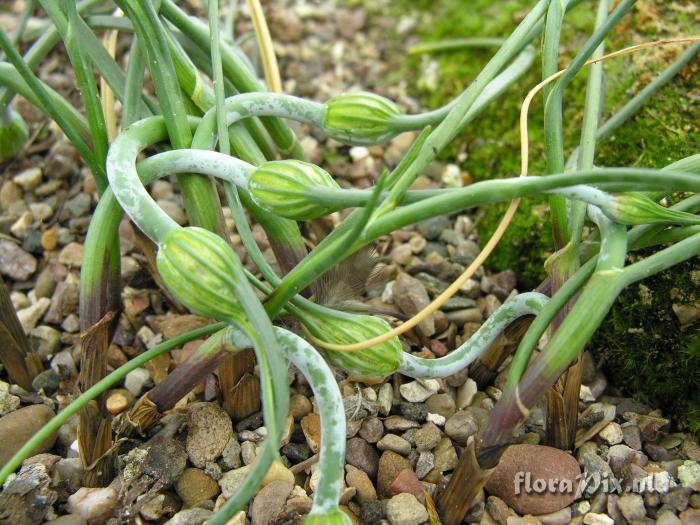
(645, 349)
(661, 360)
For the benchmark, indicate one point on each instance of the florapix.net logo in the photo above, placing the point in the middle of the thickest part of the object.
(592, 482)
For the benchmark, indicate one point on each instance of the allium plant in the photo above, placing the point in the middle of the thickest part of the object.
(207, 118)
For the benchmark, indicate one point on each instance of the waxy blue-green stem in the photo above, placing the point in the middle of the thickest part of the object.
(521, 305)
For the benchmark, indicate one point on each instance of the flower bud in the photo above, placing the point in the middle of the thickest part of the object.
(360, 118)
(331, 517)
(13, 135)
(286, 188)
(637, 208)
(344, 328)
(198, 268)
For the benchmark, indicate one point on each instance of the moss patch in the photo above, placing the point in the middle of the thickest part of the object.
(644, 346)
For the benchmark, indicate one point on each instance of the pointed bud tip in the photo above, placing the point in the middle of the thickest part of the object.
(636, 208)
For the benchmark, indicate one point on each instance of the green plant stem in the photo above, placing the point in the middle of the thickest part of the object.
(493, 90)
(591, 118)
(11, 79)
(135, 71)
(201, 202)
(102, 386)
(554, 124)
(91, 98)
(45, 99)
(40, 49)
(598, 296)
(284, 235)
(637, 238)
(99, 56)
(589, 310)
(440, 136)
(332, 415)
(235, 70)
(530, 303)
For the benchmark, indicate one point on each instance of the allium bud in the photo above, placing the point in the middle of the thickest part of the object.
(331, 517)
(286, 188)
(13, 135)
(360, 118)
(198, 268)
(344, 328)
(637, 208)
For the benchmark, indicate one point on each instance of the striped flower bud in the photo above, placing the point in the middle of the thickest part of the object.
(331, 517)
(637, 208)
(286, 188)
(198, 268)
(13, 135)
(344, 328)
(360, 118)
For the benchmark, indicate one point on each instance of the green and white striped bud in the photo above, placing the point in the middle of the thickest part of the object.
(333, 517)
(198, 268)
(343, 328)
(637, 208)
(360, 119)
(286, 188)
(13, 134)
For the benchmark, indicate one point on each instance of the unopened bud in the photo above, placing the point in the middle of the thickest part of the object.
(198, 268)
(637, 208)
(360, 119)
(331, 517)
(344, 328)
(286, 188)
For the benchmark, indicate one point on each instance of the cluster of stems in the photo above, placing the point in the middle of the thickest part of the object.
(209, 120)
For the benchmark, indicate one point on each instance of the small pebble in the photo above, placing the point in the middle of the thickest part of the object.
(28, 179)
(117, 403)
(405, 509)
(136, 380)
(612, 433)
(394, 443)
(209, 431)
(93, 504)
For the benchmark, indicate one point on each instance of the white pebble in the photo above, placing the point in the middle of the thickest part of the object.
(612, 433)
(593, 518)
(420, 390)
(358, 153)
(29, 316)
(135, 380)
(93, 504)
(436, 419)
(28, 179)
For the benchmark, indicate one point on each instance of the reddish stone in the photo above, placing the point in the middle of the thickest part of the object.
(534, 479)
(406, 481)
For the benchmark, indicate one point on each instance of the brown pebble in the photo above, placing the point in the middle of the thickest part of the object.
(521, 471)
(116, 403)
(49, 239)
(194, 486)
(19, 426)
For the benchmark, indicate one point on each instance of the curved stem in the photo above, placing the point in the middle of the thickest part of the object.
(124, 180)
(530, 303)
(332, 413)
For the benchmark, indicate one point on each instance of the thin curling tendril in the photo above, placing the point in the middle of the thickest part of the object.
(267, 50)
(507, 217)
